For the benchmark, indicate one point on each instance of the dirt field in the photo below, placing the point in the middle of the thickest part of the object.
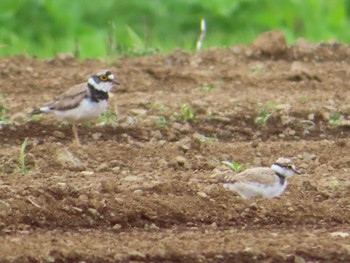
(142, 188)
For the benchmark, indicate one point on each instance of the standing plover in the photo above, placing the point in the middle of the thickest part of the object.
(82, 102)
(262, 181)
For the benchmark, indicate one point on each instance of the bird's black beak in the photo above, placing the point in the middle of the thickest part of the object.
(297, 172)
(116, 82)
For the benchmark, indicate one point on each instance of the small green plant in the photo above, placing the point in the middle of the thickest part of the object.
(303, 99)
(22, 167)
(161, 121)
(235, 166)
(159, 107)
(334, 185)
(264, 113)
(4, 120)
(186, 113)
(208, 88)
(204, 139)
(335, 119)
(36, 117)
(107, 118)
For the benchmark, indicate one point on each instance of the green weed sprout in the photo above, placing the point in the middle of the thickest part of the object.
(235, 166)
(161, 121)
(264, 113)
(22, 168)
(186, 113)
(204, 139)
(4, 120)
(108, 118)
(159, 107)
(334, 185)
(335, 119)
(208, 88)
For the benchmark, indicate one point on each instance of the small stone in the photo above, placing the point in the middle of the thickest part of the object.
(298, 259)
(66, 158)
(225, 133)
(325, 115)
(153, 226)
(116, 169)
(138, 111)
(87, 173)
(214, 225)
(96, 136)
(185, 147)
(92, 211)
(102, 167)
(59, 134)
(202, 194)
(340, 234)
(84, 198)
(308, 156)
(116, 227)
(311, 116)
(132, 178)
(5, 209)
(156, 134)
(138, 192)
(180, 160)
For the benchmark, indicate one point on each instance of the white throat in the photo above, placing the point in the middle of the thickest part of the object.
(282, 170)
(103, 86)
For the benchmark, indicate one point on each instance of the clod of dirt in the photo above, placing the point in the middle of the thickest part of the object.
(303, 47)
(5, 209)
(271, 43)
(67, 159)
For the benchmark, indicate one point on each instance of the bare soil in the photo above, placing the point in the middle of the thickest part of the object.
(143, 187)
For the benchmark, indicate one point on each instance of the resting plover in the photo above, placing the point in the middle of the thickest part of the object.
(82, 102)
(262, 181)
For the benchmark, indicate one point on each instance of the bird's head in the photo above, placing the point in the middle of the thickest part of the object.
(103, 81)
(284, 167)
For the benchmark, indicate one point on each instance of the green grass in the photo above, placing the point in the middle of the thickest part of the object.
(265, 112)
(186, 113)
(237, 167)
(44, 28)
(22, 167)
(335, 119)
(108, 118)
(4, 120)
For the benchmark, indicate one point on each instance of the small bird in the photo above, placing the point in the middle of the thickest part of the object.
(262, 181)
(82, 102)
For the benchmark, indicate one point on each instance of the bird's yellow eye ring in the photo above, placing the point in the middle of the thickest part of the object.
(103, 77)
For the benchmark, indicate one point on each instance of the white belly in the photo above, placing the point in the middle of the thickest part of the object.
(86, 110)
(249, 190)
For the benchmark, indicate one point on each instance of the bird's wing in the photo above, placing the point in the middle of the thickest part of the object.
(262, 175)
(70, 98)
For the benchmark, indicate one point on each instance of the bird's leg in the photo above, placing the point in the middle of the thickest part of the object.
(75, 133)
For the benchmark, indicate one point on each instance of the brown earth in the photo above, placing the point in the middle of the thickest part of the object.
(143, 186)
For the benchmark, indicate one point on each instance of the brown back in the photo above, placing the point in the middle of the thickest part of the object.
(260, 175)
(70, 98)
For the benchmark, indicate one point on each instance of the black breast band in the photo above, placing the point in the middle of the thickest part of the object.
(282, 178)
(97, 95)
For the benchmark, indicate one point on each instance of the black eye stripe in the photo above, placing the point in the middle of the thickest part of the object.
(284, 166)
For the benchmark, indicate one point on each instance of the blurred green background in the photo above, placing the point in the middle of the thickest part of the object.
(92, 28)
